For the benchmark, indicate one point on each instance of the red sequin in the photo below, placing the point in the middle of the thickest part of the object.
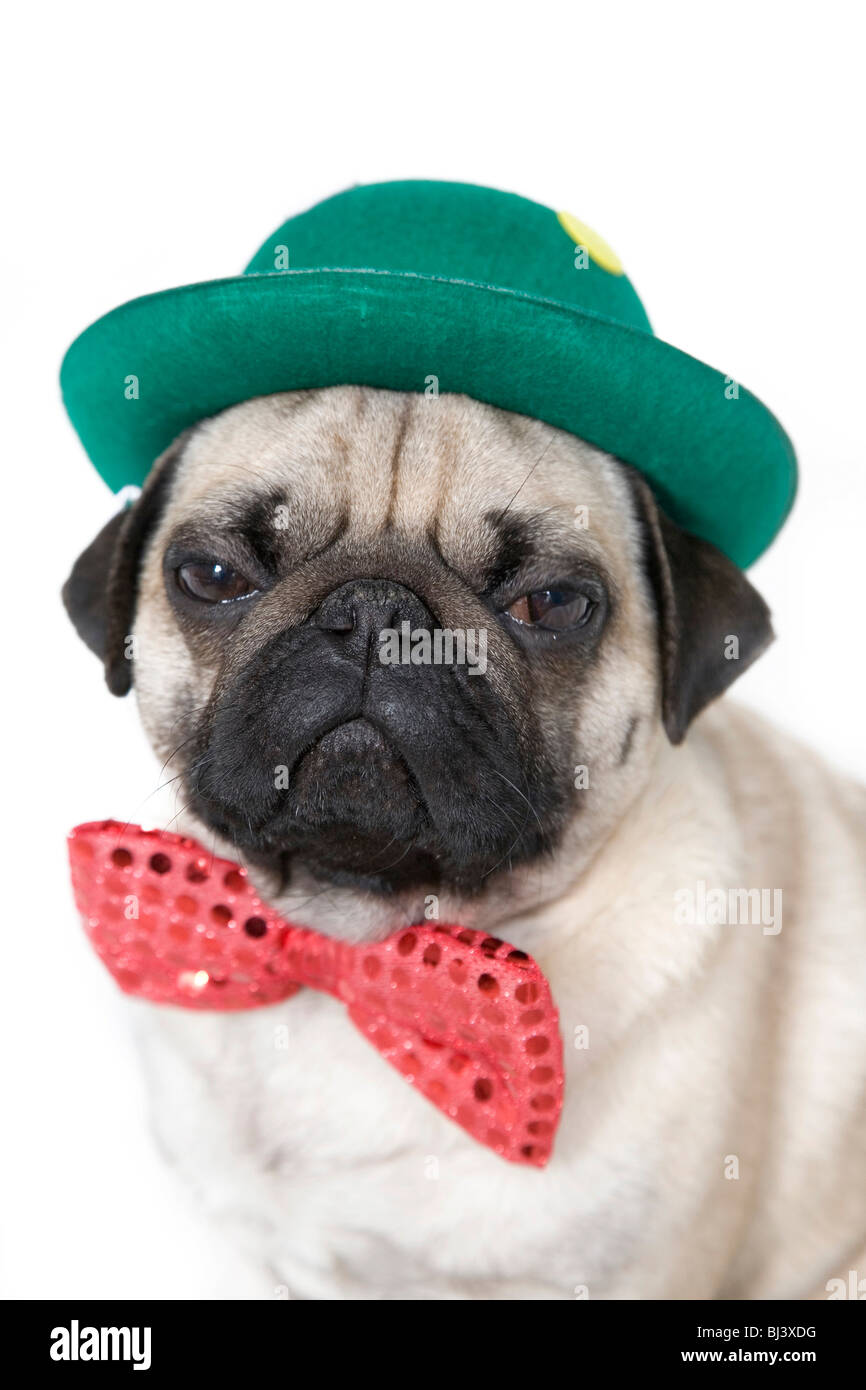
(175, 925)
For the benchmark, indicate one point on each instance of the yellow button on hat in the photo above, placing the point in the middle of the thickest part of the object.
(597, 247)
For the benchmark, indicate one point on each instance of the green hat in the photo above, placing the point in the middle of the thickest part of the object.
(494, 296)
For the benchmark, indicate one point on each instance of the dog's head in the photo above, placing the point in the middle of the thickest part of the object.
(403, 640)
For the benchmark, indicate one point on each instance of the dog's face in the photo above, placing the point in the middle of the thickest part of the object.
(279, 575)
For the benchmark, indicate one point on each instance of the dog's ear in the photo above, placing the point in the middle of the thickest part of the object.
(712, 623)
(100, 593)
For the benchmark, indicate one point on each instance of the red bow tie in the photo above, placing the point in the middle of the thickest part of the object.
(463, 1016)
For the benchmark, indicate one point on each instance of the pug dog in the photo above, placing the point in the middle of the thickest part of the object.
(582, 797)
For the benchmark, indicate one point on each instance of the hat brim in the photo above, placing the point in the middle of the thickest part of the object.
(718, 460)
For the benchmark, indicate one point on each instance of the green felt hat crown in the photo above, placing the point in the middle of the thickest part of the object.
(495, 296)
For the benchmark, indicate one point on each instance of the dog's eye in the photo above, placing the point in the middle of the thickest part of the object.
(213, 583)
(555, 610)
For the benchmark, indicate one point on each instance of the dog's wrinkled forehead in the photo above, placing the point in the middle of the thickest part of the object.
(316, 466)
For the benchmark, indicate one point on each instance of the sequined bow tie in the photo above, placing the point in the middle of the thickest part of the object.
(465, 1018)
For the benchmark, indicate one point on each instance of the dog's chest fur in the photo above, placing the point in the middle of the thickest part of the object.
(342, 1181)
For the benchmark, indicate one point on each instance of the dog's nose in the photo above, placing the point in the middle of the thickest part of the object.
(364, 608)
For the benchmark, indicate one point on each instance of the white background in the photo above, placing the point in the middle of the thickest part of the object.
(717, 147)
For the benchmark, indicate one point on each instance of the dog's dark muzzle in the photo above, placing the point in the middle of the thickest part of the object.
(324, 748)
